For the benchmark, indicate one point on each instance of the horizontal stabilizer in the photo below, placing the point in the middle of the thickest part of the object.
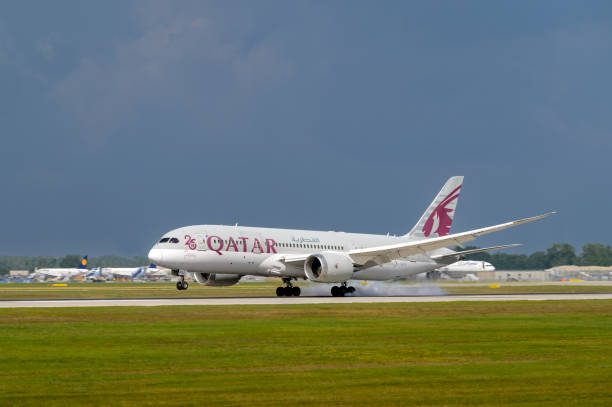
(466, 252)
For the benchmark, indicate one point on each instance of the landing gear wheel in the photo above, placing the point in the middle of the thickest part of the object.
(350, 290)
(179, 285)
(337, 291)
(288, 291)
(296, 291)
(185, 285)
(280, 291)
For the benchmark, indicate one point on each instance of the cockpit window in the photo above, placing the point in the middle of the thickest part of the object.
(174, 240)
(164, 240)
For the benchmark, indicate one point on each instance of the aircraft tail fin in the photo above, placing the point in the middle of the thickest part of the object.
(139, 272)
(83, 264)
(438, 218)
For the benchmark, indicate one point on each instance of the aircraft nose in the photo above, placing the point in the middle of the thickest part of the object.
(156, 256)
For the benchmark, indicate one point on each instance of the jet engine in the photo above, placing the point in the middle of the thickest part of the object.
(328, 267)
(216, 280)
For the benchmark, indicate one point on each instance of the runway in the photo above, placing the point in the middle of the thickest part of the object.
(293, 300)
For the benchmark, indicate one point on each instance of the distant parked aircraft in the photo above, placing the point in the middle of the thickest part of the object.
(114, 273)
(61, 274)
(462, 268)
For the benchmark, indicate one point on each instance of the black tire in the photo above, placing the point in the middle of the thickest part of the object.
(335, 291)
(280, 291)
(288, 291)
(179, 286)
(296, 291)
(351, 289)
(185, 285)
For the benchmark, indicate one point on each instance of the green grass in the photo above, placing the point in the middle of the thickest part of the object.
(168, 290)
(551, 353)
(131, 290)
(505, 288)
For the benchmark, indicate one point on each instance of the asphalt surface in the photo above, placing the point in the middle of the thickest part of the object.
(293, 300)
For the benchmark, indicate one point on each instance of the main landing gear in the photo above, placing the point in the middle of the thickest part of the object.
(341, 290)
(289, 290)
(182, 284)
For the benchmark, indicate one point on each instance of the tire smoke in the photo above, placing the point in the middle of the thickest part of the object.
(376, 289)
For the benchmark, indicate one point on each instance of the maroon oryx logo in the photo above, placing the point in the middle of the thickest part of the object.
(440, 221)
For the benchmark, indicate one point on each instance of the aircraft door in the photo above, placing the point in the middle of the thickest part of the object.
(201, 242)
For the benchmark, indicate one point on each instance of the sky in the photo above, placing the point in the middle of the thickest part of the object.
(121, 120)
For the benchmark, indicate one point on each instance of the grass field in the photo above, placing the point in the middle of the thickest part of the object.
(551, 353)
(267, 289)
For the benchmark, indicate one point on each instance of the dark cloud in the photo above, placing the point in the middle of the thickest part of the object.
(123, 120)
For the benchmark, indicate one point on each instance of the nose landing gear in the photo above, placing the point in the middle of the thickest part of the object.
(289, 290)
(182, 284)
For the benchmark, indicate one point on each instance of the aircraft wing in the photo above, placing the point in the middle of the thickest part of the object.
(466, 252)
(387, 253)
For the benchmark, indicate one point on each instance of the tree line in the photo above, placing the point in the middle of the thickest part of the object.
(593, 254)
(69, 261)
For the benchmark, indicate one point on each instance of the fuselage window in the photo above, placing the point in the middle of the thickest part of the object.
(174, 240)
(164, 240)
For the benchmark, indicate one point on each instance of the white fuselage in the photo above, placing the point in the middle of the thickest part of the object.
(259, 251)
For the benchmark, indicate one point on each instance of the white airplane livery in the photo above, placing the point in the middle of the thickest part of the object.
(220, 255)
(468, 266)
(61, 274)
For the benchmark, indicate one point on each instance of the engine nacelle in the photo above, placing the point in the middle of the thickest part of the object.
(216, 280)
(328, 267)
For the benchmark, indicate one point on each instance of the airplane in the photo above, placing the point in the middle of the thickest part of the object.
(220, 255)
(460, 269)
(112, 273)
(468, 266)
(61, 274)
